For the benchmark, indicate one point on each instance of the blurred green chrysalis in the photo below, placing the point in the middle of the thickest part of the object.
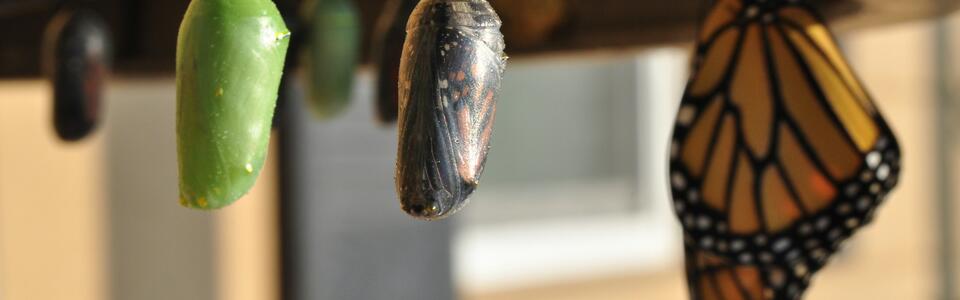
(333, 47)
(230, 56)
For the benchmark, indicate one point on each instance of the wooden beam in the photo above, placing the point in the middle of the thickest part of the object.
(145, 31)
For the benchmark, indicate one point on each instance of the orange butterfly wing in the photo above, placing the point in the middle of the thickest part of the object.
(778, 153)
(712, 277)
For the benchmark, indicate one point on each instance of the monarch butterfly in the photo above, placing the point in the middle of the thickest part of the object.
(450, 75)
(332, 54)
(778, 153)
(77, 61)
(230, 56)
(391, 31)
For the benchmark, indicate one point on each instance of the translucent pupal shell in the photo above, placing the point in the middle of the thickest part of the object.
(450, 75)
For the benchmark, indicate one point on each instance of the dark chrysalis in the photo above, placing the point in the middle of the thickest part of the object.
(77, 61)
(450, 75)
(391, 31)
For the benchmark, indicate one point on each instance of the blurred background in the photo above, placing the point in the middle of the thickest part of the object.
(573, 203)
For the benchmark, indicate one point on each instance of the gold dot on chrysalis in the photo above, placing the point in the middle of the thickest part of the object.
(248, 167)
(202, 202)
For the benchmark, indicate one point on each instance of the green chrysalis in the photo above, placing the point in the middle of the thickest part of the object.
(230, 57)
(333, 48)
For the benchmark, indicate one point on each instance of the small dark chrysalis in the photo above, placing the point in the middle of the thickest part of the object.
(450, 75)
(391, 31)
(77, 61)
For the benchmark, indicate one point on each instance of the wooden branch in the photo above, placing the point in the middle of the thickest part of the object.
(145, 30)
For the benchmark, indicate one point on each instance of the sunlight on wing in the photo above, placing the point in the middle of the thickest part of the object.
(855, 119)
(830, 144)
(824, 40)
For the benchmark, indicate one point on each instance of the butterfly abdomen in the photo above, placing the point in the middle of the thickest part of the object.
(450, 74)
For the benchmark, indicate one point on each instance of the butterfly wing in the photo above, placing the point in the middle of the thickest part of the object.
(778, 154)
(712, 277)
(450, 75)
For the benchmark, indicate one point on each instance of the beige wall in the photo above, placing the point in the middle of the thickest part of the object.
(248, 245)
(55, 209)
(52, 217)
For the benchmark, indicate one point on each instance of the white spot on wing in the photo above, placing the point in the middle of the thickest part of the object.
(883, 171)
(686, 115)
(873, 159)
(679, 182)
